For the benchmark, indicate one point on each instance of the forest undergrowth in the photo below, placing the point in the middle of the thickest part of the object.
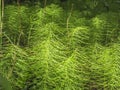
(71, 45)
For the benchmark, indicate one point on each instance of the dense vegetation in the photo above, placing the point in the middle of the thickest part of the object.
(60, 44)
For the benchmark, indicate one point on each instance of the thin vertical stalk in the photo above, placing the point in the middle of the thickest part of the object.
(1, 24)
(14, 54)
(0, 17)
(67, 24)
(45, 2)
(0, 32)
(19, 18)
(68, 19)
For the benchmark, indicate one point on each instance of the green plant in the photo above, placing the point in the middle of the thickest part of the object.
(61, 47)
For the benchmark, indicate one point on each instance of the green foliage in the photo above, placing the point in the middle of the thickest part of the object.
(15, 24)
(61, 48)
(13, 64)
(79, 36)
(4, 84)
(48, 52)
(105, 28)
